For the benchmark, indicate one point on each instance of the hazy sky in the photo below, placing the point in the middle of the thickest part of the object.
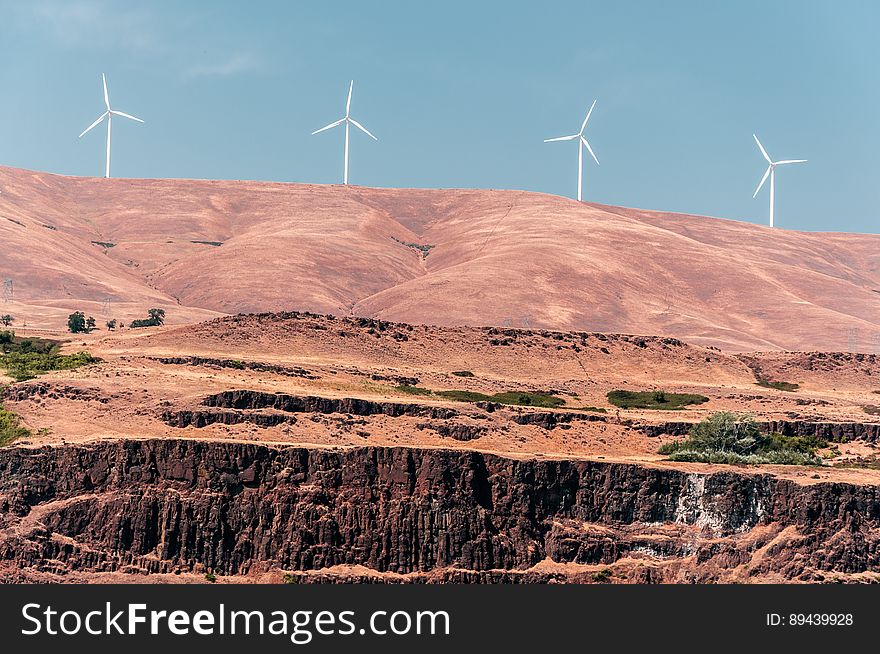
(461, 94)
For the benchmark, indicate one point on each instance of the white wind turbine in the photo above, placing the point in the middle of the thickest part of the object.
(109, 116)
(581, 142)
(348, 120)
(771, 171)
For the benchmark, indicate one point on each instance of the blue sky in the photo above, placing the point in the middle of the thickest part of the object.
(461, 94)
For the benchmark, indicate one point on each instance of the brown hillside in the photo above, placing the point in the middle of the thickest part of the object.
(198, 248)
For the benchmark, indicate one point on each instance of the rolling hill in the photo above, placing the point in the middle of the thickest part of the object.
(445, 257)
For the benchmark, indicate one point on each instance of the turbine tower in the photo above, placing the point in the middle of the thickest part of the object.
(581, 142)
(109, 116)
(771, 171)
(348, 120)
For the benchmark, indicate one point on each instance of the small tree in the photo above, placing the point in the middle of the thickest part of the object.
(157, 316)
(7, 320)
(111, 324)
(726, 431)
(76, 322)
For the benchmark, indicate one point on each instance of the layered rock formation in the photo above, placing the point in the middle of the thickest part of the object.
(417, 515)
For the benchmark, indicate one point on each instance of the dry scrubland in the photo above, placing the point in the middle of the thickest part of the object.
(417, 445)
(316, 449)
(449, 257)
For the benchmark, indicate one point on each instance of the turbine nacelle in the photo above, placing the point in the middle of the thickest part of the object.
(771, 173)
(771, 165)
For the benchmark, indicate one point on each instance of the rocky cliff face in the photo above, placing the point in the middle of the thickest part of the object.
(431, 515)
(242, 399)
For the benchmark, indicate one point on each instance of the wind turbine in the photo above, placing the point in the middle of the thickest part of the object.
(348, 120)
(581, 142)
(109, 116)
(771, 171)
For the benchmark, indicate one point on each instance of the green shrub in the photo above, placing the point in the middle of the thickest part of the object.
(594, 409)
(727, 437)
(465, 396)
(425, 250)
(6, 320)
(521, 398)
(723, 431)
(653, 399)
(601, 576)
(872, 410)
(11, 428)
(210, 577)
(463, 373)
(9, 342)
(24, 365)
(412, 390)
(778, 385)
(515, 398)
(156, 318)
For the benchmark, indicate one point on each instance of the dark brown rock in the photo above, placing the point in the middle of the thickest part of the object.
(238, 508)
(244, 399)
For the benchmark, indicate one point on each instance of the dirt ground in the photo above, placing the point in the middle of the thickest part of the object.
(149, 378)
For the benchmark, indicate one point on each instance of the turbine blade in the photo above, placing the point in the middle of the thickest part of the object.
(763, 179)
(562, 138)
(106, 95)
(584, 125)
(788, 161)
(763, 151)
(587, 143)
(125, 115)
(94, 124)
(331, 125)
(362, 128)
(348, 102)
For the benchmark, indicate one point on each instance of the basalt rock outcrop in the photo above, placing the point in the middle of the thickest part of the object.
(552, 419)
(203, 418)
(455, 430)
(237, 508)
(245, 399)
(40, 390)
